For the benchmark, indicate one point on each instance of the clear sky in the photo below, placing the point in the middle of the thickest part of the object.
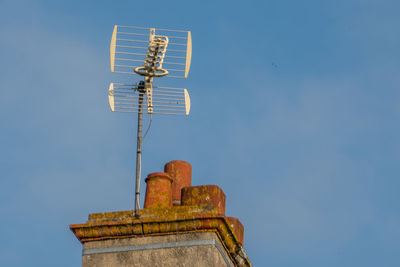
(295, 115)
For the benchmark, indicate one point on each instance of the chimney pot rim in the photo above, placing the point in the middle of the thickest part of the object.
(160, 175)
(178, 161)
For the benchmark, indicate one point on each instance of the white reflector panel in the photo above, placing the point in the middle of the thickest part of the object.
(164, 100)
(129, 46)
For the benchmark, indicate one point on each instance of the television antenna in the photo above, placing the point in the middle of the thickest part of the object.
(150, 53)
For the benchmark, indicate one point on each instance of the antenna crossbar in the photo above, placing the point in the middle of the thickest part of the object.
(145, 111)
(128, 46)
(170, 76)
(176, 70)
(123, 72)
(135, 104)
(128, 59)
(144, 28)
(174, 57)
(130, 92)
(180, 102)
(175, 76)
(132, 27)
(155, 112)
(173, 63)
(132, 33)
(124, 66)
(146, 35)
(157, 98)
(129, 40)
(178, 44)
(158, 89)
(174, 50)
(130, 53)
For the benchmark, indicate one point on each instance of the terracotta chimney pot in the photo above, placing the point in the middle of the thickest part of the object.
(158, 190)
(181, 174)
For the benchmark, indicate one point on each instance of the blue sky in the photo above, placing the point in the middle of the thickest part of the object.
(295, 115)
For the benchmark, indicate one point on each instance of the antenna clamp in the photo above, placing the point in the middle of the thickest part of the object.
(143, 72)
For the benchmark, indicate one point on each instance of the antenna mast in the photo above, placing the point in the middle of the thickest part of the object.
(167, 100)
(152, 68)
(141, 89)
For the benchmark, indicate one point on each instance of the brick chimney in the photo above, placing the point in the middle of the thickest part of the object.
(180, 225)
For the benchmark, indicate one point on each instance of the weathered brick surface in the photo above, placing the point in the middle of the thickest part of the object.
(204, 194)
(237, 227)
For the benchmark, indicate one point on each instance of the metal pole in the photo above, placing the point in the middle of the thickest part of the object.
(141, 89)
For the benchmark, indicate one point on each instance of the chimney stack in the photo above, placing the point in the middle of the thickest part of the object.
(180, 225)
